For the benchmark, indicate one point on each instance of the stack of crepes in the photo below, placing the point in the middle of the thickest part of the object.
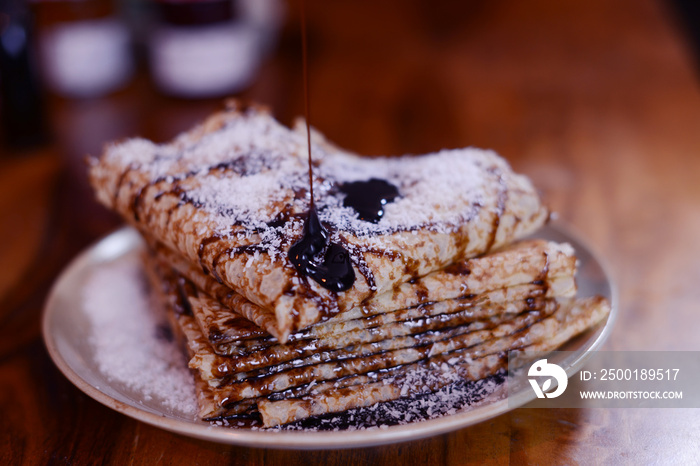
(444, 284)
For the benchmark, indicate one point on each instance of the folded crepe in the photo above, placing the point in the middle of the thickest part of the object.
(531, 268)
(226, 319)
(230, 197)
(507, 308)
(395, 367)
(572, 317)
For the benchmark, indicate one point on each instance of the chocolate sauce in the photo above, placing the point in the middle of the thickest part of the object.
(183, 304)
(500, 208)
(369, 197)
(335, 272)
(312, 243)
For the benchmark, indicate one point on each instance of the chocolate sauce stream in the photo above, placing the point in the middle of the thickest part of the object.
(335, 272)
(307, 98)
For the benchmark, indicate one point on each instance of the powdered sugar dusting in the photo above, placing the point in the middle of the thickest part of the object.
(132, 343)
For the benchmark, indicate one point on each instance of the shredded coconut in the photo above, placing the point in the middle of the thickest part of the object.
(133, 344)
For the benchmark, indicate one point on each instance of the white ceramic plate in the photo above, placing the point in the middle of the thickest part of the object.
(66, 328)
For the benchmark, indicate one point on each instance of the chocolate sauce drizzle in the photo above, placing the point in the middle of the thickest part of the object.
(334, 272)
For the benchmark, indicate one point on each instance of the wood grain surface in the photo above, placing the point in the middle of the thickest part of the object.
(596, 100)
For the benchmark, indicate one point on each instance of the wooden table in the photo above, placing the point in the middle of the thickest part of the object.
(596, 100)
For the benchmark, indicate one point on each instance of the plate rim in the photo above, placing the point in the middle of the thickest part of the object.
(300, 439)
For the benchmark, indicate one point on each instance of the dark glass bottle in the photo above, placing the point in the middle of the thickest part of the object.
(21, 103)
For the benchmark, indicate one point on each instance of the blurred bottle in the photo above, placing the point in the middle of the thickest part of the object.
(210, 48)
(21, 104)
(84, 47)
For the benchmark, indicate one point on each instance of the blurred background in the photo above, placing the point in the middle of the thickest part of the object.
(596, 100)
(537, 81)
(578, 95)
